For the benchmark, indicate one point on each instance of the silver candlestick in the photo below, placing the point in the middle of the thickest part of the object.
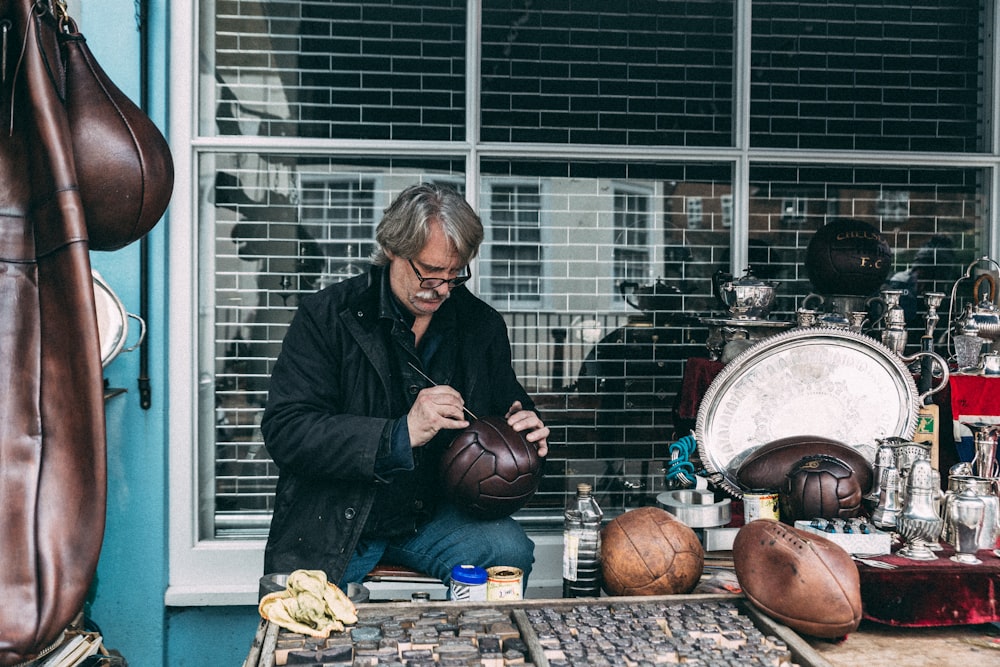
(933, 301)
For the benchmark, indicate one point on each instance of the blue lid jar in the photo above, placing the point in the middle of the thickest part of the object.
(469, 574)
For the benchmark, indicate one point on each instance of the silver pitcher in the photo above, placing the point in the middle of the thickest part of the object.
(886, 513)
(905, 453)
(986, 490)
(966, 520)
(884, 459)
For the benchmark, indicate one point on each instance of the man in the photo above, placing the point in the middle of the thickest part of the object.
(376, 376)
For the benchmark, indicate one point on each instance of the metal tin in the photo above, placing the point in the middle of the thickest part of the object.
(760, 504)
(468, 582)
(504, 583)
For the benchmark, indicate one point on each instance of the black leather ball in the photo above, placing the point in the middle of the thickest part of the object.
(847, 256)
(822, 487)
(490, 469)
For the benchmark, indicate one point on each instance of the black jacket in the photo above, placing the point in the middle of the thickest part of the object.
(335, 395)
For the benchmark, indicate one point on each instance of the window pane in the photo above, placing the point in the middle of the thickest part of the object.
(602, 362)
(516, 249)
(592, 72)
(280, 226)
(601, 260)
(931, 218)
(330, 69)
(881, 75)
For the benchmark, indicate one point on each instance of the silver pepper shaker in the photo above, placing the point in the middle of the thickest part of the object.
(919, 523)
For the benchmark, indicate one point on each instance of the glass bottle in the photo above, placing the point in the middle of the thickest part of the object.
(582, 545)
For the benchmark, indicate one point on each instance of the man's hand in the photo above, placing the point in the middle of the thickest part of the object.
(436, 408)
(526, 420)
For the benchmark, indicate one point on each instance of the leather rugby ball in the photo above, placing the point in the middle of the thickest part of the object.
(802, 580)
(767, 467)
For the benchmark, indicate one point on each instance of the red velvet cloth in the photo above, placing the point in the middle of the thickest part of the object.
(932, 593)
(698, 375)
(974, 398)
(975, 395)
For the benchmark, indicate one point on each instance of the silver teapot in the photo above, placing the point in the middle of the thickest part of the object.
(747, 297)
(984, 316)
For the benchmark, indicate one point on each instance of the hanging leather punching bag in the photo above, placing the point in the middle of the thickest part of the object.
(52, 430)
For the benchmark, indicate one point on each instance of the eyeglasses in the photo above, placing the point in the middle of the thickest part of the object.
(434, 283)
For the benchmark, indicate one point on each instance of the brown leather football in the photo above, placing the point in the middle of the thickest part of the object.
(797, 578)
(768, 466)
(820, 486)
(490, 469)
(648, 551)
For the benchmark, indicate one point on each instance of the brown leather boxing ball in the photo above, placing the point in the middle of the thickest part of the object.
(490, 469)
(648, 551)
(820, 486)
(798, 578)
(767, 467)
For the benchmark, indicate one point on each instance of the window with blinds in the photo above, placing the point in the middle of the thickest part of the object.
(601, 148)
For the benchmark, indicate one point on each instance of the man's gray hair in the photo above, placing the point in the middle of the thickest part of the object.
(405, 225)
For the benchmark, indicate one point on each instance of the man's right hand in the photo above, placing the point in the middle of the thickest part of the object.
(436, 408)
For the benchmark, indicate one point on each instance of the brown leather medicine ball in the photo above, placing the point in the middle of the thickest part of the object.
(648, 551)
(821, 486)
(490, 469)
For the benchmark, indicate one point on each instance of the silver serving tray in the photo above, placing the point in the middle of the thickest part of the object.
(807, 381)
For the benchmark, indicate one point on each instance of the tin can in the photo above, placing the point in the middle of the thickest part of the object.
(760, 504)
(504, 583)
(468, 582)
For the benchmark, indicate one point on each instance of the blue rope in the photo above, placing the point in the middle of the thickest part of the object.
(680, 471)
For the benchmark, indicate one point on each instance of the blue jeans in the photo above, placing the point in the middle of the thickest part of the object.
(450, 538)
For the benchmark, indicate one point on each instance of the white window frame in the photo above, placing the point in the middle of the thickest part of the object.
(225, 572)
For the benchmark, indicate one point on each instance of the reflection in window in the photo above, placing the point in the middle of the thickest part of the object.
(341, 216)
(515, 243)
(631, 247)
(635, 74)
(336, 87)
(893, 205)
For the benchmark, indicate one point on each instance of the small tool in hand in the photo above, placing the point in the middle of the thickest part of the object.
(424, 376)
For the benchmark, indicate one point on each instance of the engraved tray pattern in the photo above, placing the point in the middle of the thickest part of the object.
(809, 381)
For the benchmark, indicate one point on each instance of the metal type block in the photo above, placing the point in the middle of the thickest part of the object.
(872, 543)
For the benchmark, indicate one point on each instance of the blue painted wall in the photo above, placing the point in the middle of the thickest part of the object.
(127, 597)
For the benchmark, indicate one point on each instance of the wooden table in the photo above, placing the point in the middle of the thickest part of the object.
(874, 644)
